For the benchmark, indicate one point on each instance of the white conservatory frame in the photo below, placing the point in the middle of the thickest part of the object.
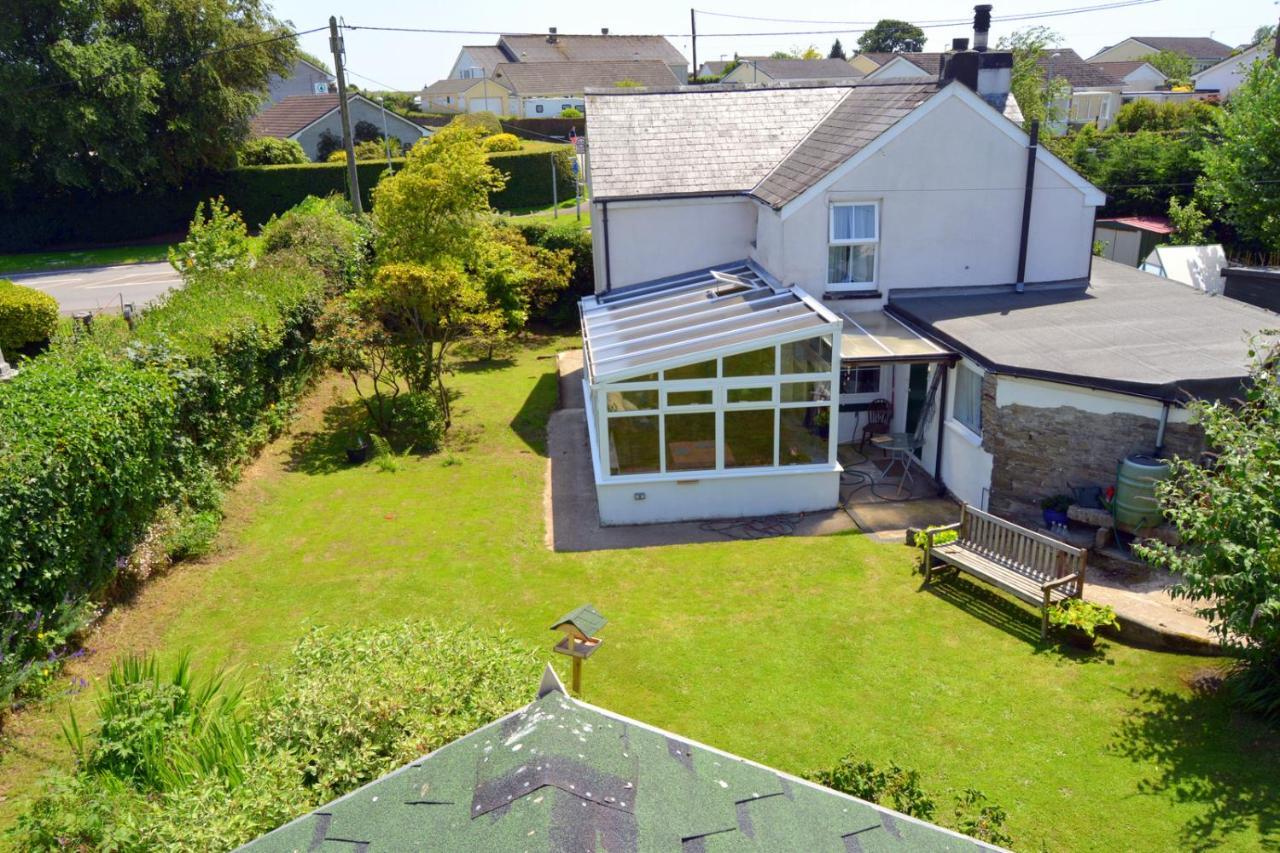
(633, 337)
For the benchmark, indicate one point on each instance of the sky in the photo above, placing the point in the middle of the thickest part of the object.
(409, 61)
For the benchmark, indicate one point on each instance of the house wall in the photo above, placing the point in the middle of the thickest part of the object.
(551, 107)
(748, 73)
(1227, 76)
(1045, 437)
(1144, 78)
(303, 80)
(1095, 106)
(407, 132)
(649, 240)
(466, 66)
(898, 67)
(734, 496)
(937, 229)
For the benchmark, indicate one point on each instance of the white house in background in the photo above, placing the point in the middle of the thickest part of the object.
(1225, 77)
(308, 118)
(762, 72)
(305, 78)
(474, 61)
(1135, 75)
(882, 66)
(468, 95)
(1204, 52)
(804, 253)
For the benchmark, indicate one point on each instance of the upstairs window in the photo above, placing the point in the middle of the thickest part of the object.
(853, 240)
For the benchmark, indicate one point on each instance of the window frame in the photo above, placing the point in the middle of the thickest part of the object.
(955, 392)
(834, 242)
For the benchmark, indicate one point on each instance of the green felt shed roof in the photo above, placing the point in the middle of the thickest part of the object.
(562, 775)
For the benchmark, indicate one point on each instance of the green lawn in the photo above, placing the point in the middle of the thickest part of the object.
(789, 651)
(48, 261)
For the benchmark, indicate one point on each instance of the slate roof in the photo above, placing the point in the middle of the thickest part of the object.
(1121, 70)
(1127, 331)
(1080, 74)
(291, 114)
(536, 48)
(565, 78)
(702, 141)
(805, 69)
(457, 85)
(862, 115)
(1195, 47)
(930, 62)
(488, 55)
(562, 775)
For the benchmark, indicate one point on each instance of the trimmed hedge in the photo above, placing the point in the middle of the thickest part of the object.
(102, 431)
(549, 234)
(258, 192)
(27, 316)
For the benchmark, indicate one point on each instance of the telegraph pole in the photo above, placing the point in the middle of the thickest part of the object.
(693, 28)
(353, 179)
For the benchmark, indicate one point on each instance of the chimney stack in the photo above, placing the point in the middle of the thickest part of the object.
(604, 31)
(551, 35)
(981, 26)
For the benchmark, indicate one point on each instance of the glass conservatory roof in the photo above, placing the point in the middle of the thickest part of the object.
(686, 318)
(875, 336)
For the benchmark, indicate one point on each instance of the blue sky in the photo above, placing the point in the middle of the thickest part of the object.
(412, 60)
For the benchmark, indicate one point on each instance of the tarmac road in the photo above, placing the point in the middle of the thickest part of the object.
(100, 288)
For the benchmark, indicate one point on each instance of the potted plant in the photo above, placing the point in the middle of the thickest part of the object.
(1079, 621)
(358, 450)
(1055, 509)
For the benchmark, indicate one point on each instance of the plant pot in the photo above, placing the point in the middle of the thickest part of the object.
(1077, 638)
(358, 453)
(1053, 516)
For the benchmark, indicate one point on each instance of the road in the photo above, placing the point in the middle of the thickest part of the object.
(100, 288)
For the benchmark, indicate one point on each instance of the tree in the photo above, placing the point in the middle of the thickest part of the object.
(810, 53)
(1190, 225)
(1264, 33)
(892, 36)
(1242, 171)
(784, 54)
(1228, 516)
(269, 151)
(837, 51)
(1172, 64)
(107, 95)
(1039, 99)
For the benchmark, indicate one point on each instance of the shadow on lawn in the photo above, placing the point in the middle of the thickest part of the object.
(323, 451)
(1005, 615)
(1209, 756)
(530, 423)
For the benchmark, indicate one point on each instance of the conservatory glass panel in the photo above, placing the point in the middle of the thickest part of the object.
(806, 392)
(758, 362)
(689, 398)
(748, 438)
(691, 442)
(812, 355)
(633, 445)
(803, 435)
(750, 395)
(632, 401)
(701, 370)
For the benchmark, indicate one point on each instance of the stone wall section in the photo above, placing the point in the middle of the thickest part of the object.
(1040, 452)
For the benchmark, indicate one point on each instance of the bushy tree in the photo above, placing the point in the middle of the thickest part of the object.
(1228, 515)
(269, 151)
(1142, 114)
(1172, 64)
(107, 95)
(892, 36)
(1190, 225)
(1040, 99)
(1242, 171)
(217, 241)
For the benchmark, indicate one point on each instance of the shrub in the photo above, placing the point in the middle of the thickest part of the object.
(348, 707)
(27, 316)
(571, 112)
(502, 142)
(892, 786)
(418, 421)
(216, 240)
(484, 123)
(269, 151)
(326, 234)
(567, 236)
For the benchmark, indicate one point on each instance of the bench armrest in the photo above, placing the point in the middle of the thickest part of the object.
(1054, 584)
(930, 532)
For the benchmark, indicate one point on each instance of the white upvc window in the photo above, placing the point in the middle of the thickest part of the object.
(853, 243)
(966, 402)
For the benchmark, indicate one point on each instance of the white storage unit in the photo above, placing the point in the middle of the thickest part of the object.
(710, 395)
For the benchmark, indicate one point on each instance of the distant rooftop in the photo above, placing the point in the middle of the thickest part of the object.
(291, 114)
(804, 69)
(568, 78)
(1066, 63)
(562, 775)
(930, 62)
(543, 47)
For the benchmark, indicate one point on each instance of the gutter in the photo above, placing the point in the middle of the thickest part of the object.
(604, 235)
(1033, 148)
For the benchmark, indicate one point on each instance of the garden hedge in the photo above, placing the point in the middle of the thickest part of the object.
(257, 192)
(563, 234)
(27, 316)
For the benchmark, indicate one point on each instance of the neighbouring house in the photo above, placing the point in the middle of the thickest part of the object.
(1204, 52)
(807, 256)
(482, 60)
(1135, 75)
(1257, 285)
(306, 78)
(468, 95)
(881, 66)
(1129, 239)
(1094, 93)
(1225, 77)
(1199, 267)
(762, 72)
(307, 118)
(545, 89)
(560, 774)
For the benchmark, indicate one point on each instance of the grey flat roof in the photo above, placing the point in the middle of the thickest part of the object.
(1127, 331)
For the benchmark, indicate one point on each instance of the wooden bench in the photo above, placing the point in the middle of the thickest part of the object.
(1029, 565)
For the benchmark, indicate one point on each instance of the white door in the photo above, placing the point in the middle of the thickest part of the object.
(485, 105)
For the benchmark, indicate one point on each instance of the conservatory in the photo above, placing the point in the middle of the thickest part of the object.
(710, 395)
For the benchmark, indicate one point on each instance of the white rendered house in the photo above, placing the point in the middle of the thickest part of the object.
(920, 249)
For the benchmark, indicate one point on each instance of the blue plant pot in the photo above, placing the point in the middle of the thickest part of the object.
(1053, 516)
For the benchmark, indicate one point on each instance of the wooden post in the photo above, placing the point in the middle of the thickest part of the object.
(577, 676)
(337, 47)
